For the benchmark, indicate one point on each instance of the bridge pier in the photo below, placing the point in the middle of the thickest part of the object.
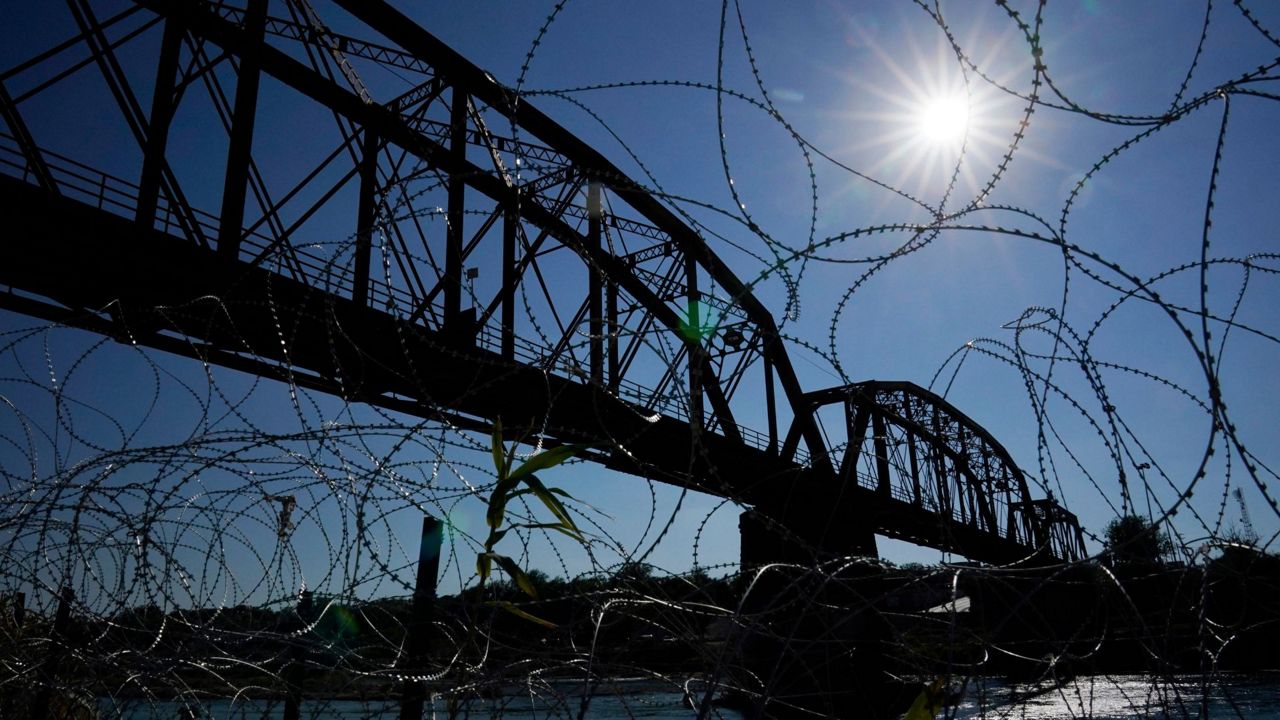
(815, 642)
(801, 538)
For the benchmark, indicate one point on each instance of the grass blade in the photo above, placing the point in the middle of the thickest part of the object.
(511, 608)
(499, 456)
(544, 460)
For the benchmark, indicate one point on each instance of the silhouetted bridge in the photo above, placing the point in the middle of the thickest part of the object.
(451, 252)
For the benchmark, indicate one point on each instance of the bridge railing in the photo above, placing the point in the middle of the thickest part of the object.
(928, 501)
(904, 442)
(640, 396)
(120, 197)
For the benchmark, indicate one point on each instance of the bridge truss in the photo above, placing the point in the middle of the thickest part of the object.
(390, 224)
(916, 452)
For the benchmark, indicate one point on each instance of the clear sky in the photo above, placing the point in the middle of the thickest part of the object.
(854, 80)
(832, 118)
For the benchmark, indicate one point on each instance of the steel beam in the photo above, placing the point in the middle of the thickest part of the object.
(92, 32)
(216, 313)
(510, 273)
(393, 129)
(162, 106)
(333, 339)
(454, 68)
(243, 114)
(452, 279)
(366, 216)
(26, 144)
(595, 307)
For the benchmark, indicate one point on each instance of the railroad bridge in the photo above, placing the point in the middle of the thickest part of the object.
(444, 249)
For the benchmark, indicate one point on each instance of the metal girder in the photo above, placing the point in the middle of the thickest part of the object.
(126, 286)
(366, 216)
(162, 106)
(243, 115)
(369, 339)
(394, 130)
(26, 144)
(972, 475)
(456, 69)
(92, 33)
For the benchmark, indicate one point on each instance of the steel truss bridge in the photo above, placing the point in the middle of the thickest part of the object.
(446, 250)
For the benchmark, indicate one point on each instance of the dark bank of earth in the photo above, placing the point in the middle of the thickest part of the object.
(863, 637)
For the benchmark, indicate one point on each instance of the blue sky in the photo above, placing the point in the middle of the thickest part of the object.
(851, 79)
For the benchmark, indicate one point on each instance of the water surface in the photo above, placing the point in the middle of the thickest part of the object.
(1095, 697)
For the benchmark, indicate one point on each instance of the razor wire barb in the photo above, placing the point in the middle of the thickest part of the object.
(180, 538)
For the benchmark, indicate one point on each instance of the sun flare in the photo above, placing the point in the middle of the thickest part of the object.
(943, 120)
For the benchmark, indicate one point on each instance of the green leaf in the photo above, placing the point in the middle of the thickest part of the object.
(495, 537)
(518, 576)
(511, 608)
(569, 528)
(552, 503)
(511, 453)
(498, 451)
(498, 501)
(497, 509)
(484, 564)
(544, 460)
(558, 527)
(928, 703)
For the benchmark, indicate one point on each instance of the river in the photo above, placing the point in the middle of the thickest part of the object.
(1255, 697)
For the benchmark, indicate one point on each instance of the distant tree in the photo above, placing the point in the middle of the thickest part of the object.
(697, 577)
(1133, 540)
(634, 572)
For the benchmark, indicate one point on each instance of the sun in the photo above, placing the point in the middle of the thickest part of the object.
(926, 124)
(942, 120)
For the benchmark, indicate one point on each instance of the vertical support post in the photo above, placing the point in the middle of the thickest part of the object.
(912, 454)
(424, 599)
(595, 312)
(915, 469)
(1010, 526)
(880, 440)
(27, 144)
(856, 431)
(694, 341)
(63, 616)
(963, 483)
(861, 421)
(19, 609)
(295, 674)
(241, 145)
(162, 108)
(510, 224)
(40, 703)
(611, 309)
(940, 476)
(769, 400)
(457, 188)
(792, 442)
(849, 463)
(366, 216)
(985, 498)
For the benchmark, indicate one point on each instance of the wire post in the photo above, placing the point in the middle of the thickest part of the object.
(19, 609)
(294, 673)
(44, 696)
(424, 600)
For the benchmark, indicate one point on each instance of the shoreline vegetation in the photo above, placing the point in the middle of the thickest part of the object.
(569, 686)
(636, 632)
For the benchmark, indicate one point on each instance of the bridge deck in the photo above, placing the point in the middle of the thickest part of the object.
(90, 268)
(625, 359)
